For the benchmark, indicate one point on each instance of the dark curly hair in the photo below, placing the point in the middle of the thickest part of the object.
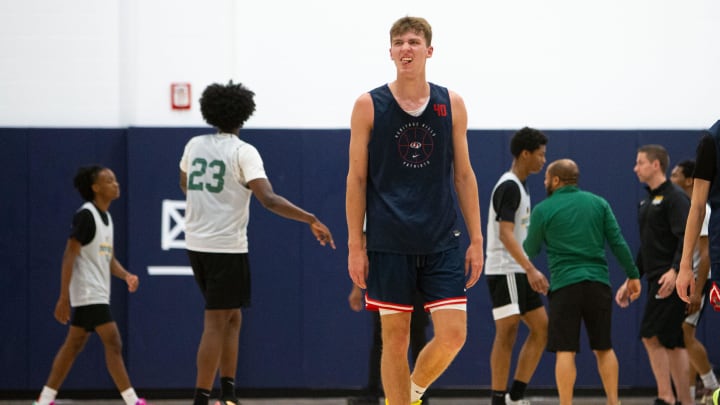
(227, 107)
(687, 167)
(529, 139)
(85, 178)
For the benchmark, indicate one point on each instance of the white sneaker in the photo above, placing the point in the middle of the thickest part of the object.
(509, 401)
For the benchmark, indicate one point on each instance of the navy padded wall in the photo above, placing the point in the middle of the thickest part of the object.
(299, 332)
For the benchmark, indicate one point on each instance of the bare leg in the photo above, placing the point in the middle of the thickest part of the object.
(565, 374)
(534, 346)
(394, 367)
(450, 332)
(697, 353)
(112, 342)
(230, 345)
(501, 354)
(65, 357)
(679, 369)
(609, 373)
(660, 364)
(213, 342)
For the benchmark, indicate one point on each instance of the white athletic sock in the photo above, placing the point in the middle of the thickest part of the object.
(47, 395)
(129, 396)
(709, 380)
(692, 392)
(416, 391)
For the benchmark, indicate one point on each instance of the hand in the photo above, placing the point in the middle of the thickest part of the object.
(715, 296)
(132, 281)
(358, 267)
(685, 283)
(694, 304)
(667, 284)
(538, 281)
(633, 289)
(355, 299)
(62, 310)
(622, 298)
(322, 233)
(474, 258)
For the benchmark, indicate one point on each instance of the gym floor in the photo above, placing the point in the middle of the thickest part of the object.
(535, 400)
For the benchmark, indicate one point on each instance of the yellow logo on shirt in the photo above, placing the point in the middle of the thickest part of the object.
(106, 250)
(657, 200)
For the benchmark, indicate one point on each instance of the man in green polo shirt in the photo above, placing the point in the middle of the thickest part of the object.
(575, 226)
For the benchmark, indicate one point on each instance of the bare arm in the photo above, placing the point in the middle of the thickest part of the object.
(117, 270)
(702, 275)
(467, 190)
(183, 182)
(685, 283)
(361, 124)
(537, 279)
(62, 307)
(279, 205)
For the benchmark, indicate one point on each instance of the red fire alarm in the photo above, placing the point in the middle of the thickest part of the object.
(180, 96)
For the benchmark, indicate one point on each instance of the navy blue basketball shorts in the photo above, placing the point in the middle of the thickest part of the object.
(589, 302)
(223, 278)
(91, 316)
(393, 280)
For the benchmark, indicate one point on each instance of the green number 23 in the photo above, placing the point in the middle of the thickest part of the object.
(216, 169)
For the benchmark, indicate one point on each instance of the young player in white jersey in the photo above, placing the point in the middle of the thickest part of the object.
(513, 281)
(87, 264)
(219, 173)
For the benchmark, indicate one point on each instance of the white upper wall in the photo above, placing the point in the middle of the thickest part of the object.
(553, 64)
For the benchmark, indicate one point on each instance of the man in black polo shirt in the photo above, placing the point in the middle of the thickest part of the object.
(662, 216)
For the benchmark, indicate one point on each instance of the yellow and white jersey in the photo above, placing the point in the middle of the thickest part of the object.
(90, 281)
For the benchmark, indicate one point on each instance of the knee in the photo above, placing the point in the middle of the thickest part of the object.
(113, 345)
(688, 333)
(234, 320)
(396, 341)
(602, 354)
(452, 339)
(650, 343)
(539, 334)
(505, 335)
(75, 346)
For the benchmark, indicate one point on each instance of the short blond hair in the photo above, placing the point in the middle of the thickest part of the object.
(417, 25)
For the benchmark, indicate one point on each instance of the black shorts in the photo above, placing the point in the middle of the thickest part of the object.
(91, 316)
(587, 301)
(663, 317)
(511, 294)
(223, 278)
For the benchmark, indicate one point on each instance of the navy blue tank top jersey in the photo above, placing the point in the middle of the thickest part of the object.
(410, 200)
(714, 201)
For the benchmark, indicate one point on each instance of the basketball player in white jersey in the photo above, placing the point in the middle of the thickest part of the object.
(513, 280)
(219, 173)
(87, 264)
